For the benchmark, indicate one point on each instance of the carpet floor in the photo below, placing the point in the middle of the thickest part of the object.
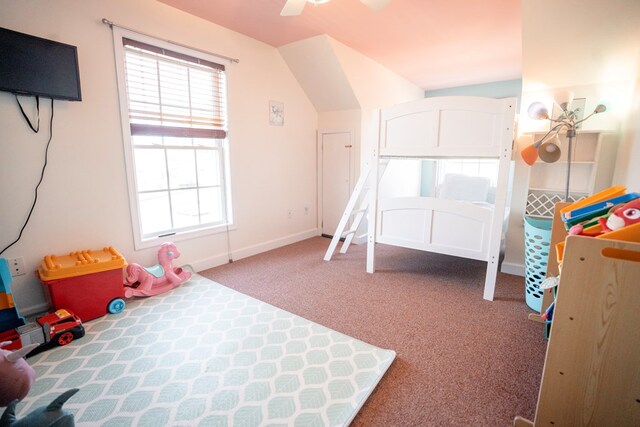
(460, 360)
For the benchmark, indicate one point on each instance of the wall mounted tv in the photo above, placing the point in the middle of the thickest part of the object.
(35, 66)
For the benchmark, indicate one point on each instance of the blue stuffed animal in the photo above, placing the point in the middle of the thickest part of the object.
(46, 416)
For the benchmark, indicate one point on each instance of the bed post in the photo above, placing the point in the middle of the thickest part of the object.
(374, 179)
(506, 142)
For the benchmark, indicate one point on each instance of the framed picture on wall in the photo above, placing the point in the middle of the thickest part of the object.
(276, 113)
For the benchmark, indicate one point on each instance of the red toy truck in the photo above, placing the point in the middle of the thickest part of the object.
(57, 328)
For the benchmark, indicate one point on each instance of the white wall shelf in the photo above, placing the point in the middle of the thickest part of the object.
(592, 163)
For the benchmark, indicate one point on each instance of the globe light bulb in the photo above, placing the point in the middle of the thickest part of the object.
(538, 111)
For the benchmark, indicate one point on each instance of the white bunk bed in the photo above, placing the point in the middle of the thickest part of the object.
(439, 128)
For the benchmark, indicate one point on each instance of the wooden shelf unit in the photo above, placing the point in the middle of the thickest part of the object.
(591, 375)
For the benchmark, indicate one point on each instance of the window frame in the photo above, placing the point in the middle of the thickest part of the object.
(141, 242)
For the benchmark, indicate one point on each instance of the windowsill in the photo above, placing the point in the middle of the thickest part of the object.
(182, 236)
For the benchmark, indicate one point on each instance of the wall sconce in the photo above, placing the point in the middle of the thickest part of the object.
(547, 148)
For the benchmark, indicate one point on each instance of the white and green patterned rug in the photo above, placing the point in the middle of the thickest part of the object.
(206, 355)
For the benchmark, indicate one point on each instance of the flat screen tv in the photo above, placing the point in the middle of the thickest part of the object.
(35, 66)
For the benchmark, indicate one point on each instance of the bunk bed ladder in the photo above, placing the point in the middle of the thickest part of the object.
(360, 193)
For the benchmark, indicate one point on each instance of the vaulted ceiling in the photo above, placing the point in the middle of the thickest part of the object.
(432, 43)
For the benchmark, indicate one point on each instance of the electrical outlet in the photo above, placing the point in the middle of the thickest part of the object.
(289, 213)
(16, 266)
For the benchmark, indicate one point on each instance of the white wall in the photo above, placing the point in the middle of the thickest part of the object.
(346, 87)
(313, 61)
(375, 87)
(337, 79)
(83, 201)
(627, 170)
(579, 42)
(340, 120)
(591, 48)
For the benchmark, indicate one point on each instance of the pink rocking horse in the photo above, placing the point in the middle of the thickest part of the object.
(144, 282)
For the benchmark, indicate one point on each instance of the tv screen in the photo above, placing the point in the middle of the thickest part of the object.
(35, 66)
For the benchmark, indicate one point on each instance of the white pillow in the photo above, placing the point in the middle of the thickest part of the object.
(464, 187)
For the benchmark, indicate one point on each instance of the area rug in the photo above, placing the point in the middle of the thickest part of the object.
(206, 355)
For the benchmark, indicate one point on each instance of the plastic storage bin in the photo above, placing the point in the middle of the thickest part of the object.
(537, 241)
(89, 283)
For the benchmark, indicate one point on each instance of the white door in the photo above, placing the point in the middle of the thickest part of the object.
(336, 178)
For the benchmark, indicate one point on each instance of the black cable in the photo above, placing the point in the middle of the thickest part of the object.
(34, 129)
(44, 166)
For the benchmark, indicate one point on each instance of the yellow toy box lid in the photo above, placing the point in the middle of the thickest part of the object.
(80, 263)
(608, 193)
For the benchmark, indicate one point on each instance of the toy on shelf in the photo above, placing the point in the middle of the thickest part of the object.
(144, 282)
(45, 416)
(625, 215)
(57, 328)
(595, 210)
(550, 282)
(17, 376)
(615, 219)
(610, 214)
(607, 194)
(548, 313)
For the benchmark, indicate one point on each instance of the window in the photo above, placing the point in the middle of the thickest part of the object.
(486, 168)
(468, 179)
(177, 158)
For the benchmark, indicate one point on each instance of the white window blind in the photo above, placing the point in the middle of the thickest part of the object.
(178, 124)
(184, 95)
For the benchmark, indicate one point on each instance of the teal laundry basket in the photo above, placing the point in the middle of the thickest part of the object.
(537, 241)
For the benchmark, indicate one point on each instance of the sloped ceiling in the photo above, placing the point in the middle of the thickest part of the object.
(317, 69)
(432, 43)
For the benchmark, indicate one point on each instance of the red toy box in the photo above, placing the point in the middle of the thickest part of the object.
(89, 283)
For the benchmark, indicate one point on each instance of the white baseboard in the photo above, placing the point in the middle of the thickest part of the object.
(512, 268)
(209, 262)
(212, 261)
(221, 259)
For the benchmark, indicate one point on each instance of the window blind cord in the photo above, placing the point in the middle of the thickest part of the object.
(44, 167)
(226, 212)
(34, 129)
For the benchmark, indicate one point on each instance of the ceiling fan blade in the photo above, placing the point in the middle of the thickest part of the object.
(293, 7)
(376, 4)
